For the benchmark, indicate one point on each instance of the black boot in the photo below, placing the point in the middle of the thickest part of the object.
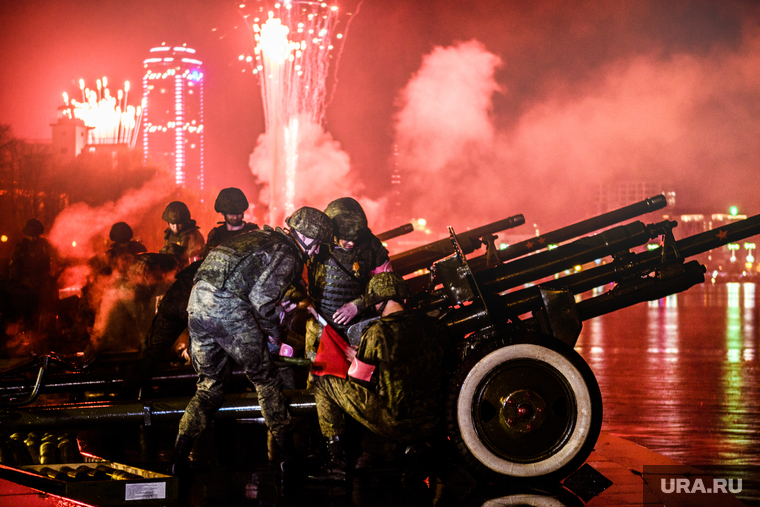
(283, 453)
(335, 469)
(182, 447)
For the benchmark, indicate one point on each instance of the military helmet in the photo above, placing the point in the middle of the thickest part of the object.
(121, 232)
(349, 220)
(33, 227)
(312, 223)
(385, 286)
(231, 201)
(176, 212)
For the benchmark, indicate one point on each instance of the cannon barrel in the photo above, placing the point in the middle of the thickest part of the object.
(236, 406)
(633, 268)
(395, 233)
(550, 262)
(424, 256)
(536, 267)
(100, 376)
(587, 226)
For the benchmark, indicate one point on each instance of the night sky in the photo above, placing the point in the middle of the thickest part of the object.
(495, 107)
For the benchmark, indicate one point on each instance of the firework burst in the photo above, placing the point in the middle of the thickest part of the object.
(111, 119)
(294, 45)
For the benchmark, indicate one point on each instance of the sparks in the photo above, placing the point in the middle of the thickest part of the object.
(111, 119)
(292, 67)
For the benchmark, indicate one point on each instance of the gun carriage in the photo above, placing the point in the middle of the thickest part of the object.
(521, 402)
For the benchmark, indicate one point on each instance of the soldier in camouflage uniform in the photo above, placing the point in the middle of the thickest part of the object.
(232, 204)
(182, 231)
(394, 382)
(339, 275)
(232, 310)
(171, 318)
(121, 254)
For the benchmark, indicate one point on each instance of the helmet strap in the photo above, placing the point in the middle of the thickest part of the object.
(300, 243)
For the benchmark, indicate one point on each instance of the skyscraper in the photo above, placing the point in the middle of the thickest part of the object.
(173, 113)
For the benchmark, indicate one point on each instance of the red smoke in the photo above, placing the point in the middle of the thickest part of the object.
(323, 175)
(85, 225)
(687, 121)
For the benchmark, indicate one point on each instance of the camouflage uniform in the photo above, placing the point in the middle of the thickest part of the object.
(171, 318)
(119, 257)
(331, 287)
(126, 307)
(231, 312)
(219, 235)
(122, 252)
(402, 400)
(168, 324)
(189, 238)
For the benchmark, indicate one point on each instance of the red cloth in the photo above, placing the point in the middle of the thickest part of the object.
(331, 355)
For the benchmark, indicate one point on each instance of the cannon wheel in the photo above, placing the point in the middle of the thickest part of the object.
(524, 407)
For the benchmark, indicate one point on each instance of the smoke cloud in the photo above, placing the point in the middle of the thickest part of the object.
(323, 174)
(686, 121)
(79, 227)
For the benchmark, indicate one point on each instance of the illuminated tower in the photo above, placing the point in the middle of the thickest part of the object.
(173, 113)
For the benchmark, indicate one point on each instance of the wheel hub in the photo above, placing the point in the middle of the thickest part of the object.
(523, 411)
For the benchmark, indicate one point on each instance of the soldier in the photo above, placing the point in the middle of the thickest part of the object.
(232, 204)
(394, 381)
(122, 252)
(232, 310)
(182, 231)
(171, 318)
(30, 271)
(338, 276)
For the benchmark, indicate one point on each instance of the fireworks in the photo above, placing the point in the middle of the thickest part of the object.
(111, 119)
(291, 59)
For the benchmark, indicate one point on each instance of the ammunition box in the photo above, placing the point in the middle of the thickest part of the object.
(129, 486)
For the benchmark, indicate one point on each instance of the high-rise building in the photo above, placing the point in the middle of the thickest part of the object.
(173, 113)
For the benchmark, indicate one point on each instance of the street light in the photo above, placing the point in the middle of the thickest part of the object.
(733, 247)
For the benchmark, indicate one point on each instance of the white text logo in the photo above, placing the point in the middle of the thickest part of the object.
(683, 485)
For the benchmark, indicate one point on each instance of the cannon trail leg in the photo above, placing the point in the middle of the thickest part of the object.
(525, 407)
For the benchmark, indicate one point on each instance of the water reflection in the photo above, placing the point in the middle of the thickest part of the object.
(680, 375)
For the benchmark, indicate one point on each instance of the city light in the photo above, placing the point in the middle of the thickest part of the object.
(173, 87)
(733, 247)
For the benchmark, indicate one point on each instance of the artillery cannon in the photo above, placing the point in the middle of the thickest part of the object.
(520, 402)
(424, 256)
(395, 233)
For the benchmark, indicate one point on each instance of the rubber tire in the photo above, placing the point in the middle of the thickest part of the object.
(569, 451)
